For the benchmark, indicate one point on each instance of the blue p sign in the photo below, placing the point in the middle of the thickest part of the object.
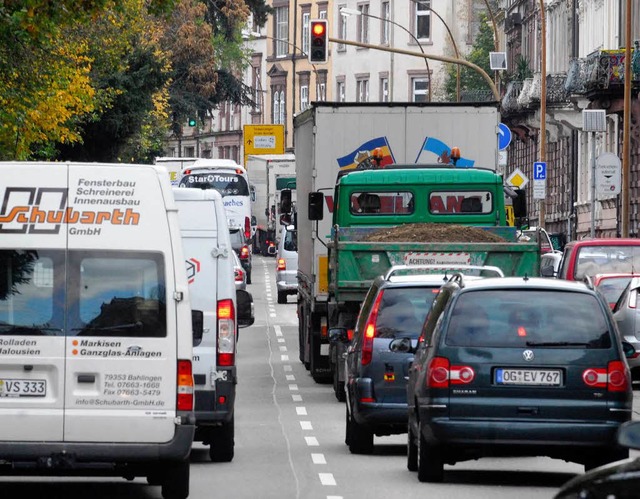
(539, 171)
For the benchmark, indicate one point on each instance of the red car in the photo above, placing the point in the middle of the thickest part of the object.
(588, 257)
(612, 285)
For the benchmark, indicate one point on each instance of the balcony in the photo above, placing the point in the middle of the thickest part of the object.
(602, 72)
(510, 99)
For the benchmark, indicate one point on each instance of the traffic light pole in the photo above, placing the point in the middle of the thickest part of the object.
(440, 58)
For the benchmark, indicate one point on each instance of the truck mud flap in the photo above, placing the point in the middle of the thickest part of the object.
(319, 352)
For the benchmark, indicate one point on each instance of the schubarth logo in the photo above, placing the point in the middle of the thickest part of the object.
(43, 210)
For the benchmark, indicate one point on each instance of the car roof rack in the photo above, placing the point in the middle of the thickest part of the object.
(443, 267)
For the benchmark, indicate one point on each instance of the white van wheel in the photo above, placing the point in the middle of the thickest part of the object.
(282, 297)
(176, 481)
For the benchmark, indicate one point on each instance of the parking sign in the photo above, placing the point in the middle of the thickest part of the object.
(540, 171)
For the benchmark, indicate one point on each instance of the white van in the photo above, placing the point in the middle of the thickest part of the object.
(210, 272)
(95, 324)
(287, 263)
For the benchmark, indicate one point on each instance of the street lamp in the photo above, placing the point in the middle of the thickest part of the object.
(345, 11)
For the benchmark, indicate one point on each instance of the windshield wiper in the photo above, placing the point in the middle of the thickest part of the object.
(557, 344)
(20, 329)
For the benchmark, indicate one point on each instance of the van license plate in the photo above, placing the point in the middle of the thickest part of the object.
(546, 377)
(23, 387)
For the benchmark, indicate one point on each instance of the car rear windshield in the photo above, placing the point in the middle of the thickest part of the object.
(403, 310)
(594, 260)
(82, 293)
(528, 318)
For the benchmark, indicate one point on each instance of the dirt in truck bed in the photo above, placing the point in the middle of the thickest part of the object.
(433, 233)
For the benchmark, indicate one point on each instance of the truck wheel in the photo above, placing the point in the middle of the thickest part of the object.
(314, 354)
(176, 481)
(430, 463)
(412, 451)
(360, 438)
(282, 297)
(338, 386)
(221, 446)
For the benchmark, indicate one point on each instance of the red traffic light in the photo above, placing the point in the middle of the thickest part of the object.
(318, 41)
(319, 29)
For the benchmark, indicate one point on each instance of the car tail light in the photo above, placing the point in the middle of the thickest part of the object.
(615, 378)
(186, 172)
(238, 274)
(324, 330)
(350, 333)
(226, 333)
(440, 374)
(184, 401)
(247, 227)
(244, 252)
(619, 376)
(282, 264)
(370, 331)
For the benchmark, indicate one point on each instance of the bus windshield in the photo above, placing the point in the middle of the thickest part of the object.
(227, 184)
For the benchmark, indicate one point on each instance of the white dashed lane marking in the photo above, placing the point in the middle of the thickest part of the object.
(327, 479)
(297, 398)
(312, 441)
(318, 459)
(301, 411)
(306, 425)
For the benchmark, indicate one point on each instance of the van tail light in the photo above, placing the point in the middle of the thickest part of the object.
(282, 264)
(370, 330)
(616, 378)
(633, 298)
(226, 354)
(619, 376)
(247, 227)
(244, 252)
(324, 330)
(185, 386)
(440, 374)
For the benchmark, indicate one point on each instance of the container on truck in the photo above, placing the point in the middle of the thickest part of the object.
(175, 166)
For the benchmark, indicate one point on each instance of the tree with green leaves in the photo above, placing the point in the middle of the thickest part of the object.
(471, 82)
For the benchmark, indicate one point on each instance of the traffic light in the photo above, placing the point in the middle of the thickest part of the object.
(319, 43)
(192, 122)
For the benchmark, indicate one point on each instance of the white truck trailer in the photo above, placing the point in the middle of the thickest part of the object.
(269, 175)
(330, 137)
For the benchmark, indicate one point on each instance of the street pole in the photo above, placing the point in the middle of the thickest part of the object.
(593, 184)
(543, 106)
(626, 154)
(440, 58)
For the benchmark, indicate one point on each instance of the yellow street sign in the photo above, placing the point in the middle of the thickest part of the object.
(517, 179)
(263, 139)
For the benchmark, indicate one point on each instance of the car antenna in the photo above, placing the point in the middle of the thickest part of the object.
(526, 277)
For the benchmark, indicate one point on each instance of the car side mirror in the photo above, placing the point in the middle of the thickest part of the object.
(338, 335)
(244, 302)
(197, 325)
(285, 201)
(316, 202)
(628, 349)
(547, 272)
(629, 435)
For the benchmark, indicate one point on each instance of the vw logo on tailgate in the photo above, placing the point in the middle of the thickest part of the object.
(527, 355)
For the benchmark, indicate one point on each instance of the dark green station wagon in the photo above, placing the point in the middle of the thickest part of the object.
(517, 367)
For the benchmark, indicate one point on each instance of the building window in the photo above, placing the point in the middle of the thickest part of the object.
(305, 33)
(322, 14)
(384, 89)
(281, 20)
(341, 91)
(419, 89)
(363, 23)
(276, 108)
(362, 90)
(304, 97)
(422, 19)
(190, 152)
(321, 92)
(257, 86)
(283, 110)
(342, 29)
(384, 28)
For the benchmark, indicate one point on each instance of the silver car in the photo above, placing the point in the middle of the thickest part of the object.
(627, 316)
(239, 275)
(287, 263)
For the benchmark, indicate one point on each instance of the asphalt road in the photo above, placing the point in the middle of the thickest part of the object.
(290, 438)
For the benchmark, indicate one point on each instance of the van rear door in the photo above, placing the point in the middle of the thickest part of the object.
(32, 301)
(120, 381)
